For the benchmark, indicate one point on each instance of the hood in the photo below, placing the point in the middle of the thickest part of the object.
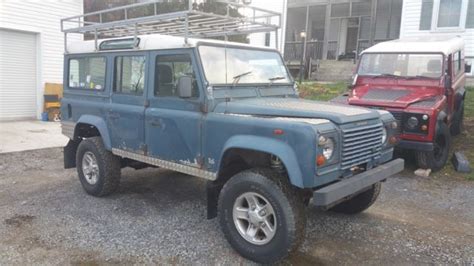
(294, 107)
(390, 97)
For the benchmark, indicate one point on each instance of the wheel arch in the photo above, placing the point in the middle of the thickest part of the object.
(87, 126)
(262, 145)
(92, 126)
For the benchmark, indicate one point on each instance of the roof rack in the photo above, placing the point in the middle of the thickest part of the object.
(185, 23)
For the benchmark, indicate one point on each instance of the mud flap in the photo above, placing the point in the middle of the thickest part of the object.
(70, 154)
(212, 191)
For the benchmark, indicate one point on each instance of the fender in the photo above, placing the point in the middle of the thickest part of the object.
(440, 119)
(272, 146)
(100, 124)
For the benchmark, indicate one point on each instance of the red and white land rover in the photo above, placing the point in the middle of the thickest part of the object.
(421, 82)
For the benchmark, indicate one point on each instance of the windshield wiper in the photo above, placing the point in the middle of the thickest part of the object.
(273, 79)
(421, 76)
(237, 78)
(387, 75)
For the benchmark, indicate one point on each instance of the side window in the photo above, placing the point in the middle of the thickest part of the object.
(168, 70)
(129, 75)
(457, 63)
(87, 73)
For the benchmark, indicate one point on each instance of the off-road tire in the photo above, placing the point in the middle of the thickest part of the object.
(360, 202)
(458, 121)
(287, 203)
(109, 167)
(436, 159)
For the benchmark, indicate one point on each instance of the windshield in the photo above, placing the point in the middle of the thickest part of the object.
(404, 65)
(243, 66)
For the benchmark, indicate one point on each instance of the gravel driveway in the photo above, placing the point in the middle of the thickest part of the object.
(159, 216)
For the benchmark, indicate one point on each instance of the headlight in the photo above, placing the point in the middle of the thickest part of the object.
(384, 135)
(327, 146)
(412, 122)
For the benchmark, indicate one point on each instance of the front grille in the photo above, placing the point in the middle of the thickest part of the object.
(361, 144)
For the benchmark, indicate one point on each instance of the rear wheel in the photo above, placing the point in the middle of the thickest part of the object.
(437, 158)
(98, 168)
(261, 215)
(359, 203)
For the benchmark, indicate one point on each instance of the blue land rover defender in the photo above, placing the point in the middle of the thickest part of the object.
(228, 113)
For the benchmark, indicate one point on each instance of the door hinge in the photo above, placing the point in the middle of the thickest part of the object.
(146, 103)
(144, 149)
(200, 161)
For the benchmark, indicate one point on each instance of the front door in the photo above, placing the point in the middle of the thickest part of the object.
(351, 40)
(126, 114)
(173, 125)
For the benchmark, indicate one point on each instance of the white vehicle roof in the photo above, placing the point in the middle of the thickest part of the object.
(421, 44)
(153, 42)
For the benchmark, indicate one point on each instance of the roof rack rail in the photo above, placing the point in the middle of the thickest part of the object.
(185, 23)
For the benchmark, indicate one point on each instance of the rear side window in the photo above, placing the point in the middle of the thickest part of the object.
(129, 75)
(457, 60)
(87, 73)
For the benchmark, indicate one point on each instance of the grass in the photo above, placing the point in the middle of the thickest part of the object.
(321, 91)
(463, 143)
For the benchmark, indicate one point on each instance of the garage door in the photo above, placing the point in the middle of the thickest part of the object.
(17, 75)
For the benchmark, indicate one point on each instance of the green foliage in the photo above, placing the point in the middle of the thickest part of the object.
(321, 91)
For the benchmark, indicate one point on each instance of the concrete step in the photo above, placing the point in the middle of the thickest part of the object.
(331, 70)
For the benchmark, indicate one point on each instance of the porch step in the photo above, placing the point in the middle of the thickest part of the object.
(332, 70)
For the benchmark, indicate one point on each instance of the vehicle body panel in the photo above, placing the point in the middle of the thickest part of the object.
(192, 135)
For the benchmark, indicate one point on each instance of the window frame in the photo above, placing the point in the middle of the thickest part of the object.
(75, 57)
(265, 49)
(193, 66)
(145, 78)
(443, 65)
(435, 15)
(458, 69)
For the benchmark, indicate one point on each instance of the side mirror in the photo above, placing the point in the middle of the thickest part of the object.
(467, 68)
(185, 85)
(447, 81)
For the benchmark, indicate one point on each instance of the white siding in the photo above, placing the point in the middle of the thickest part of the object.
(411, 21)
(276, 6)
(17, 75)
(42, 17)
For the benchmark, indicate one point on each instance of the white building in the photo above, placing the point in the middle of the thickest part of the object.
(441, 18)
(269, 39)
(31, 53)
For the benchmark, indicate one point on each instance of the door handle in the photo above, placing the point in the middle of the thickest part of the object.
(155, 123)
(114, 115)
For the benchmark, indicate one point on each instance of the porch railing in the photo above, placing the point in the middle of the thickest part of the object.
(294, 50)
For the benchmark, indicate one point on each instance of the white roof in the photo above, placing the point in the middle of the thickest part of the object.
(153, 42)
(424, 44)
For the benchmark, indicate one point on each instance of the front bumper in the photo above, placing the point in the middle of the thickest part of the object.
(415, 145)
(330, 195)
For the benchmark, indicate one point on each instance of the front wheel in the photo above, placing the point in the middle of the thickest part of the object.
(262, 215)
(437, 158)
(360, 202)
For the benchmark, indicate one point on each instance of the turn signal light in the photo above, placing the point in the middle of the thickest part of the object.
(278, 131)
(393, 140)
(424, 127)
(320, 160)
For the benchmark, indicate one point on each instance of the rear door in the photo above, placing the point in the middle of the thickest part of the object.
(126, 114)
(173, 124)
